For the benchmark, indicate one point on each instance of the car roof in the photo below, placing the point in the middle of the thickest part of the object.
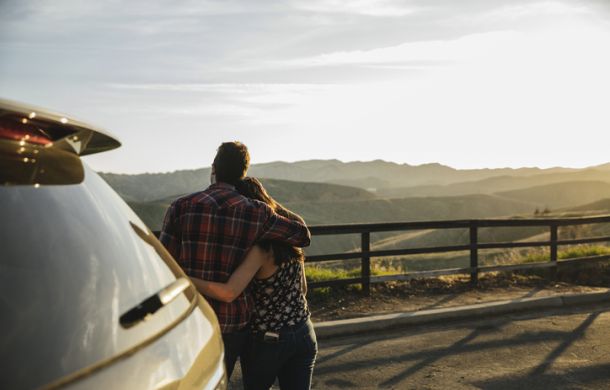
(90, 138)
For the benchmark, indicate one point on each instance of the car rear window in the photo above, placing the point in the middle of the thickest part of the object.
(71, 264)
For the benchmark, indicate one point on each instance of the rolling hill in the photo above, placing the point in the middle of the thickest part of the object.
(154, 186)
(599, 207)
(284, 191)
(396, 210)
(561, 195)
(496, 184)
(409, 209)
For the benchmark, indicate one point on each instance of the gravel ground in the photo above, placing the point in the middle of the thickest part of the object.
(434, 293)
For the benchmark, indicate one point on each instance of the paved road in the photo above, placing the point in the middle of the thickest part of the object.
(561, 349)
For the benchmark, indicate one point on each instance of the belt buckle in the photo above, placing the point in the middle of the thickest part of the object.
(271, 337)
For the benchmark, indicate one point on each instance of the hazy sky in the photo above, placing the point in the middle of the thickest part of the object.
(470, 83)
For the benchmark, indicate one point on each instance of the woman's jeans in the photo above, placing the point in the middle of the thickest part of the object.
(290, 358)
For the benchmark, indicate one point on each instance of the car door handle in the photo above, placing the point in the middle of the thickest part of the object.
(153, 303)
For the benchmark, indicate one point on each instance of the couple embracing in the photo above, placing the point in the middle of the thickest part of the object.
(242, 250)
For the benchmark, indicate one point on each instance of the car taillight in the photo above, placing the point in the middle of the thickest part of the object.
(27, 129)
(24, 135)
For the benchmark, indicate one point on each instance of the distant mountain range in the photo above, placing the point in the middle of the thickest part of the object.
(382, 174)
(560, 195)
(375, 175)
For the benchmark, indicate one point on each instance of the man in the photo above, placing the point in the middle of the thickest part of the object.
(210, 232)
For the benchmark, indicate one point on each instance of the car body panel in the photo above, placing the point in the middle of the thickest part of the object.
(74, 259)
(189, 356)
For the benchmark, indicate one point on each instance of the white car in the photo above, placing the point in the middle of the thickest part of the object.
(88, 297)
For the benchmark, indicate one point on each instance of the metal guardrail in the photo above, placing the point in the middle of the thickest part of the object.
(365, 254)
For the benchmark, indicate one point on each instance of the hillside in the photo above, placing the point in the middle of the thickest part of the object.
(561, 195)
(599, 207)
(295, 191)
(496, 184)
(397, 210)
(409, 209)
(284, 191)
(153, 186)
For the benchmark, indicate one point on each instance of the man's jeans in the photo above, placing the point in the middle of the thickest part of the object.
(290, 359)
(235, 344)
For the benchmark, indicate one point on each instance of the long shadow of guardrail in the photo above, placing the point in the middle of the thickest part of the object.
(540, 378)
(418, 360)
(595, 377)
(353, 347)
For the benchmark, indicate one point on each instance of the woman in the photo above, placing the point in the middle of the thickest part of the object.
(283, 343)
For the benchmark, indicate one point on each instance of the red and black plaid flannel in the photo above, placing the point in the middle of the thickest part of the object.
(210, 232)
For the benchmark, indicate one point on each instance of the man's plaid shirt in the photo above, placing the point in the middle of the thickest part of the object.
(209, 234)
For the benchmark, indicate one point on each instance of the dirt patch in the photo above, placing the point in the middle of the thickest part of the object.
(423, 294)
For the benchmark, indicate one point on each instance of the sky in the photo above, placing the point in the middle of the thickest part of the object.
(469, 84)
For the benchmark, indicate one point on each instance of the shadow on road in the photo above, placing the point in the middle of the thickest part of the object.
(440, 302)
(420, 359)
(431, 355)
(533, 292)
(569, 340)
(595, 377)
(437, 355)
(347, 349)
(452, 297)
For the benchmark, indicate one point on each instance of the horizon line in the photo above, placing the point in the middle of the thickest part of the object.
(372, 161)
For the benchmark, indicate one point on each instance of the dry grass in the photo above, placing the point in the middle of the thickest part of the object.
(595, 275)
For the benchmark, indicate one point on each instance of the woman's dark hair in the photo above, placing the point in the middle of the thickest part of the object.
(231, 162)
(252, 188)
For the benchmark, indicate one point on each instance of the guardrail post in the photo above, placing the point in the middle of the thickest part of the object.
(554, 230)
(365, 272)
(474, 253)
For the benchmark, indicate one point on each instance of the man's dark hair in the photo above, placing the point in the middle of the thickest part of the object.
(231, 162)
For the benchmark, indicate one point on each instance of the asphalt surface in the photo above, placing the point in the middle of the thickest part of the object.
(560, 348)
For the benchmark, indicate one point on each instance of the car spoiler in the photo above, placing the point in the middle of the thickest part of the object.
(67, 133)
